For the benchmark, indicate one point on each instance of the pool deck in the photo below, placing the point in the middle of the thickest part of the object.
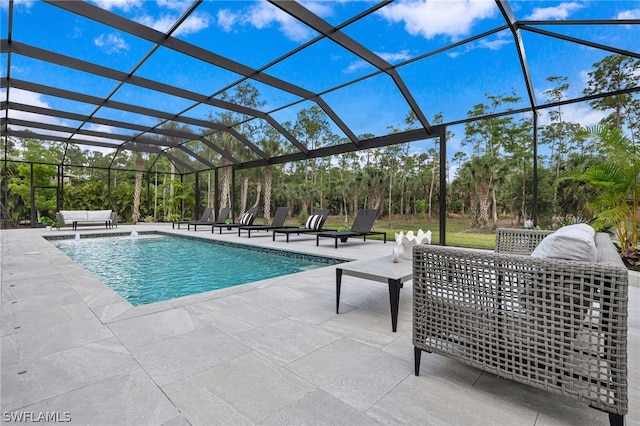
(272, 352)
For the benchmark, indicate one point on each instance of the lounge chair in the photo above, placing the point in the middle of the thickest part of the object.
(222, 217)
(315, 224)
(278, 222)
(203, 218)
(361, 227)
(245, 220)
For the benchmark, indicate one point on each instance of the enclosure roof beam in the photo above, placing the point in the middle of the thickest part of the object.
(141, 141)
(224, 153)
(113, 20)
(511, 21)
(582, 41)
(66, 94)
(84, 66)
(378, 142)
(312, 20)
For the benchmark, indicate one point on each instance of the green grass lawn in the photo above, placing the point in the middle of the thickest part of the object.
(457, 230)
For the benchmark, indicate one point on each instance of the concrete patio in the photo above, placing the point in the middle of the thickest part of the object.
(270, 353)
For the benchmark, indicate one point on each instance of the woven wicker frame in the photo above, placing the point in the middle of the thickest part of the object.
(552, 324)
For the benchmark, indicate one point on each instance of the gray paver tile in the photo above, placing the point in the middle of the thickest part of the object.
(32, 344)
(353, 372)
(60, 372)
(319, 409)
(150, 328)
(287, 340)
(180, 356)
(244, 390)
(124, 399)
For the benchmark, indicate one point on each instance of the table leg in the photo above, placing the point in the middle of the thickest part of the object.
(394, 299)
(338, 285)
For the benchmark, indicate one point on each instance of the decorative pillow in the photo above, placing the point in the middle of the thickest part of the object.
(573, 242)
(245, 219)
(314, 222)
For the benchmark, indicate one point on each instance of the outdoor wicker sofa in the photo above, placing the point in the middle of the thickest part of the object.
(557, 325)
(74, 218)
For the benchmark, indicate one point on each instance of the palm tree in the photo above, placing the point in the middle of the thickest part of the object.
(272, 145)
(138, 189)
(615, 183)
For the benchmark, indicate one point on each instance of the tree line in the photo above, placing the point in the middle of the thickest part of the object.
(492, 178)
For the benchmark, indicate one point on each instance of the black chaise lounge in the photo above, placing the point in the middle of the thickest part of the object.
(278, 222)
(245, 220)
(203, 218)
(222, 217)
(315, 224)
(361, 227)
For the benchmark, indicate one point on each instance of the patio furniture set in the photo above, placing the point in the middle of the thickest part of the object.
(545, 309)
(546, 314)
(362, 224)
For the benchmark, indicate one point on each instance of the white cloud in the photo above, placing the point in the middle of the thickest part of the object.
(355, 66)
(319, 8)
(584, 77)
(226, 19)
(124, 5)
(24, 4)
(395, 56)
(562, 11)
(97, 128)
(629, 14)
(194, 23)
(481, 44)
(111, 43)
(179, 5)
(34, 99)
(582, 114)
(24, 97)
(392, 57)
(493, 44)
(263, 15)
(427, 18)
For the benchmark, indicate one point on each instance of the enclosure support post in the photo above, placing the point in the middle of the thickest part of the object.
(443, 186)
(233, 190)
(148, 195)
(60, 183)
(216, 193)
(534, 212)
(33, 197)
(197, 195)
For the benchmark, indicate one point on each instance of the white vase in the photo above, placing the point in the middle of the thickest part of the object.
(407, 249)
(396, 256)
(409, 240)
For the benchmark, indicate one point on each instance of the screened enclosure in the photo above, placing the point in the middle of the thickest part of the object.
(308, 103)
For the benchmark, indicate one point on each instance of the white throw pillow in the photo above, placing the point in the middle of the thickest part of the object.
(573, 242)
(314, 222)
(246, 219)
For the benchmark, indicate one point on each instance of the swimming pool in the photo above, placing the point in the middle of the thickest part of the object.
(156, 267)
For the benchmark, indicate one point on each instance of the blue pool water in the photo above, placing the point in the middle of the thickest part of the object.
(154, 268)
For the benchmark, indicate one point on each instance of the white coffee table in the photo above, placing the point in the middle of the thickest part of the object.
(381, 270)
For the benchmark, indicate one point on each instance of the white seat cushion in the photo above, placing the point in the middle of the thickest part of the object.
(573, 242)
(71, 215)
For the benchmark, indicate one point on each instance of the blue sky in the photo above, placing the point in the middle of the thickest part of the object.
(257, 33)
